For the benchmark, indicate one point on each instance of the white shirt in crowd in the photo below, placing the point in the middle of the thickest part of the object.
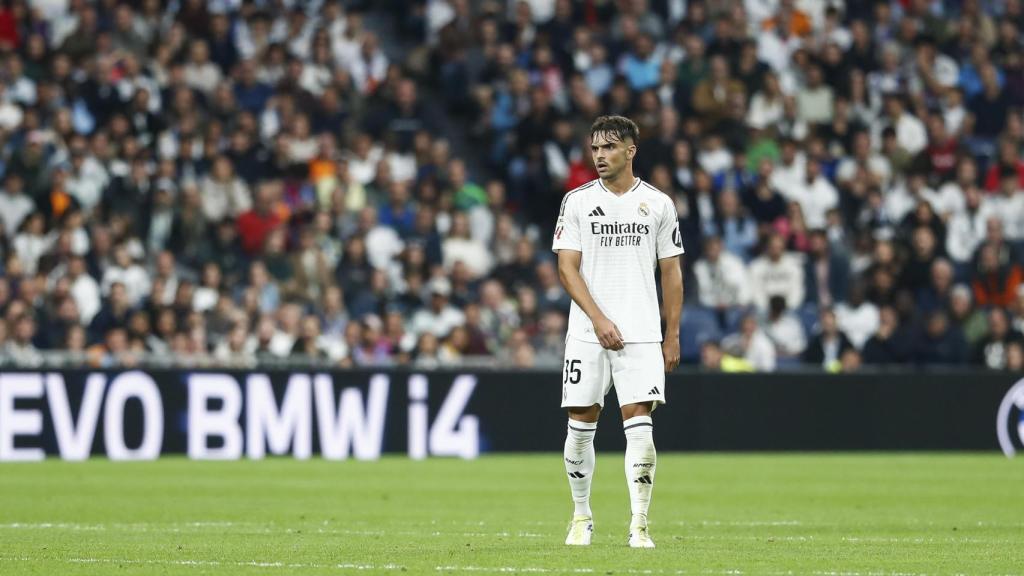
(877, 165)
(13, 210)
(724, 282)
(815, 105)
(382, 244)
(759, 351)
(86, 293)
(437, 323)
(816, 199)
(910, 134)
(221, 200)
(30, 248)
(786, 177)
(947, 200)
(135, 279)
(86, 184)
(364, 170)
(859, 323)
(764, 112)
(473, 253)
(788, 335)
(1011, 211)
(965, 232)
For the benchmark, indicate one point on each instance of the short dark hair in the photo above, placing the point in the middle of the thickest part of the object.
(616, 127)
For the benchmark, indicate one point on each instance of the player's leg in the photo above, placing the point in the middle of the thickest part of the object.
(641, 462)
(640, 385)
(584, 383)
(579, 468)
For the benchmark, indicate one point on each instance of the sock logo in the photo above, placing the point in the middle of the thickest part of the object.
(577, 475)
(642, 464)
(654, 391)
(645, 479)
(574, 462)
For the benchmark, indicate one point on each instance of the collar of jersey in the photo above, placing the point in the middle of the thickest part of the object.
(635, 186)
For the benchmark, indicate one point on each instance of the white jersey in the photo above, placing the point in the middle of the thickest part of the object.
(621, 239)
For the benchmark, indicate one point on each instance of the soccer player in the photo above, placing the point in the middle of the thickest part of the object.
(611, 234)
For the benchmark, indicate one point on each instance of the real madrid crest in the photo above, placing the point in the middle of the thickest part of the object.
(644, 210)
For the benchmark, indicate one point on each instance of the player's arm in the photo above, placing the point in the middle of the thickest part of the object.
(672, 305)
(569, 272)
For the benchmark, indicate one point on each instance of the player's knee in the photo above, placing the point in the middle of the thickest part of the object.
(638, 409)
(585, 413)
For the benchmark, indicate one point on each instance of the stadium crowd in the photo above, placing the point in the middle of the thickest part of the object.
(236, 181)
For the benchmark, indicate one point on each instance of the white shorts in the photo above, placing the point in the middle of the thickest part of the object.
(589, 371)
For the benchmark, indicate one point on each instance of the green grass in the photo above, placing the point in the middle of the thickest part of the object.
(712, 514)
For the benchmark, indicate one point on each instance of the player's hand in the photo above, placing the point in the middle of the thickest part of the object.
(670, 351)
(608, 334)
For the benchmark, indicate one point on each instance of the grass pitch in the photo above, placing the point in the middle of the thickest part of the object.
(712, 514)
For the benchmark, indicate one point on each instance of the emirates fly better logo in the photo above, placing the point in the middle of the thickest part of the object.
(1010, 421)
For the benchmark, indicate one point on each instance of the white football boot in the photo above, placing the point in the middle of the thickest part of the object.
(638, 536)
(581, 528)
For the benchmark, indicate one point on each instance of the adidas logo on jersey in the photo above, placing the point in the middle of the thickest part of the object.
(597, 212)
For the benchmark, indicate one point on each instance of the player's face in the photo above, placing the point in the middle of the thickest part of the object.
(610, 154)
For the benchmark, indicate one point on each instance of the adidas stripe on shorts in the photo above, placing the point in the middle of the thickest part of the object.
(589, 371)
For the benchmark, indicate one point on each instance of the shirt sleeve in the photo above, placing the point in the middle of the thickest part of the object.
(567, 229)
(670, 240)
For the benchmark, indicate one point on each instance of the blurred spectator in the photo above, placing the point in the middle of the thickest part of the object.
(815, 194)
(826, 273)
(712, 358)
(751, 344)
(850, 361)
(940, 342)
(827, 347)
(459, 246)
(991, 352)
(737, 230)
(15, 204)
(996, 277)
(721, 277)
(857, 317)
(1015, 357)
(776, 273)
(439, 317)
(784, 329)
(890, 343)
(963, 313)
(223, 193)
(132, 277)
(255, 225)
(966, 227)
(114, 313)
(19, 348)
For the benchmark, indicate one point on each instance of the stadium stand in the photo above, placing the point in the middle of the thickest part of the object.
(375, 183)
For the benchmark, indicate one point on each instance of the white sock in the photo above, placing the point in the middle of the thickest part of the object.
(641, 460)
(579, 463)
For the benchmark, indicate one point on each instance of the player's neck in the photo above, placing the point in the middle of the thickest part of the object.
(621, 183)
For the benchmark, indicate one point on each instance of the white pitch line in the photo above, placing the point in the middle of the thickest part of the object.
(262, 528)
(206, 563)
(738, 523)
(191, 527)
(447, 568)
(751, 523)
